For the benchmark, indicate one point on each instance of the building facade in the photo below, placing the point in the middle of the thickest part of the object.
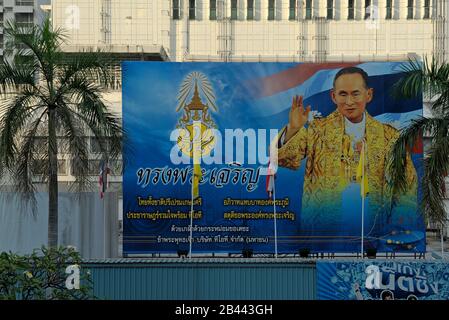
(258, 30)
(24, 12)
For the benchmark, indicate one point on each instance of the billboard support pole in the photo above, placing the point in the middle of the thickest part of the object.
(196, 145)
(362, 185)
(191, 220)
(274, 214)
(442, 241)
(363, 214)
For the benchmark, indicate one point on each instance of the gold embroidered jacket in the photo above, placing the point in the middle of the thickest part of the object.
(323, 144)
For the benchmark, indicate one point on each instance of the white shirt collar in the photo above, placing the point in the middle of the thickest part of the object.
(355, 130)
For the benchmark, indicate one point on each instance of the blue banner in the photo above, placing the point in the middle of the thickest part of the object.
(237, 119)
(382, 280)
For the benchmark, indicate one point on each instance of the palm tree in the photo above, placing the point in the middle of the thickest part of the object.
(47, 91)
(432, 80)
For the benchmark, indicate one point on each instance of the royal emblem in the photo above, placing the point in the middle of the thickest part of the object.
(196, 121)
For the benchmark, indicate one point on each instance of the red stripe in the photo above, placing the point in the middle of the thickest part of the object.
(267, 181)
(418, 146)
(267, 184)
(291, 78)
(100, 183)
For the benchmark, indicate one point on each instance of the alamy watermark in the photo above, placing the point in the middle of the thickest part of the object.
(72, 21)
(210, 146)
(72, 281)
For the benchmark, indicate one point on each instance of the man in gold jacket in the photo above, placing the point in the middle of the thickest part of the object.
(333, 148)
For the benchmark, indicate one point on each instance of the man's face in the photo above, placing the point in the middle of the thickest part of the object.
(351, 96)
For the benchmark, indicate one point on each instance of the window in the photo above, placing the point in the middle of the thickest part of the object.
(250, 10)
(63, 145)
(308, 9)
(40, 167)
(79, 167)
(191, 9)
(426, 9)
(410, 9)
(350, 9)
(24, 20)
(176, 14)
(24, 3)
(389, 10)
(367, 9)
(292, 12)
(62, 167)
(94, 167)
(116, 167)
(213, 10)
(97, 144)
(330, 9)
(233, 9)
(40, 145)
(91, 168)
(270, 9)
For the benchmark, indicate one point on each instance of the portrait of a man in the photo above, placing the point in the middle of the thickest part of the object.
(334, 148)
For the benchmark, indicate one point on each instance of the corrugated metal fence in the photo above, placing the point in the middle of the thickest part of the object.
(203, 279)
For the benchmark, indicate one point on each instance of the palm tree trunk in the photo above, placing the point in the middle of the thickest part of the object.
(53, 180)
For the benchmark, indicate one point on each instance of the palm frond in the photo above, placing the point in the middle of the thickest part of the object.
(89, 105)
(13, 78)
(410, 85)
(430, 78)
(408, 137)
(41, 41)
(25, 158)
(96, 66)
(77, 146)
(15, 115)
(436, 169)
(29, 38)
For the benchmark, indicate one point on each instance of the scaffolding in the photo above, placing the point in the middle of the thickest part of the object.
(321, 38)
(439, 25)
(224, 32)
(106, 21)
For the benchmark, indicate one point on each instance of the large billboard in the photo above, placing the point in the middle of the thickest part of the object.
(324, 130)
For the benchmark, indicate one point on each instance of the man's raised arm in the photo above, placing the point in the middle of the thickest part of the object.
(291, 143)
(297, 117)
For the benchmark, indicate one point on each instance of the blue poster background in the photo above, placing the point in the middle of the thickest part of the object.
(399, 280)
(150, 91)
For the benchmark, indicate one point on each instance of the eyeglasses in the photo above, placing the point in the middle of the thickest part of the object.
(344, 96)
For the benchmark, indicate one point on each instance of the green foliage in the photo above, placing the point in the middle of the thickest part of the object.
(48, 93)
(430, 79)
(40, 79)
(41, 275)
